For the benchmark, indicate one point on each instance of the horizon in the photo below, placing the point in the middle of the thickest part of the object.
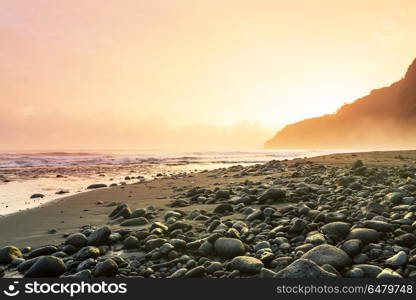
(184, 74)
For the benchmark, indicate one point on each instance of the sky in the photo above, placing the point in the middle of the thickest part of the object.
(189, 73)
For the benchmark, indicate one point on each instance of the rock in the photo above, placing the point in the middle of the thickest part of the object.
(304, 268)
(131, 242)
(140, 221)
(46, 250)
(223, 208)
(272, 194)
(327, 254)
(222, 194)
(247, 264)
(107, 268)
(46, 266)
(357, 164)
(406, 240)
(96, 186)
(338, 230)
(375, 208)
(369, 270)
(266, 273)
(388, 273)
(34, 196)
(397, 260)
(77, 240)
(140, 212)
(261, 245)
(87, 252)
(99, 237)
(8, 253)
(125, 213)
(229, 247)
(378, 225)
(195, 272)
(394, 197)
(178, 273)
(352, 247)
(117, 209)
(366, 235)
(206, 248)
(298, 225)
(84, 275)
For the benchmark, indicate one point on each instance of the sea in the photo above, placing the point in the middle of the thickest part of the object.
(64, 173)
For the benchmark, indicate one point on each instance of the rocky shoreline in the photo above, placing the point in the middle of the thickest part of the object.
(288, 219)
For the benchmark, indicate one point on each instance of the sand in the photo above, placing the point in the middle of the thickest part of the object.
(68, 214)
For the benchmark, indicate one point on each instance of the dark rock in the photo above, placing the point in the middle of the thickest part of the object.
(229, 247)
(366, 235)
(107, 268)
(47, 266)
(99, 237)
(77, 240)
(140, 221)
(96, 186)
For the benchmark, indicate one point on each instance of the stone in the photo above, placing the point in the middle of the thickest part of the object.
(247, 264)
(46, 250)
(272, 194)
(77, 240)
(107, 268)
(195, 272)
(99, 237)
(229, 247)
(397, 260)
(394, 197)
(338, 230)
(304, 268)
(87, 252)
(328, 254)
(388, 273)
(406, 240)
(131, 242)
(140, 221)
(365, 235)
(223, 208)
(352, 247)
(8, 253)
(96, 186)
(46, 266)
(378, 225)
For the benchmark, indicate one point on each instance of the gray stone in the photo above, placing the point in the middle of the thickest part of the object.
(247, 264)
(304, 268)
(107, 268)
(366, 235)
(46, 266)
(99, 237)
(229, 247)
(327, 254)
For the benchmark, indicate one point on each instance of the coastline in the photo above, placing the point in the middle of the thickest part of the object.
(31, 226)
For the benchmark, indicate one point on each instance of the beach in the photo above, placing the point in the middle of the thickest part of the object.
(262, 220)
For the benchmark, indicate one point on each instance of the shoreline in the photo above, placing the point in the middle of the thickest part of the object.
(371, 158)
(282, 188)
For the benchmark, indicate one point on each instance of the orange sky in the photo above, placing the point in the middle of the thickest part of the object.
(115, 74)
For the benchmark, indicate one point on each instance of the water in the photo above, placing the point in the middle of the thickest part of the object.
(24, 174)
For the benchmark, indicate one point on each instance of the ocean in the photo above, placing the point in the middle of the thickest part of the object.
(59, 174)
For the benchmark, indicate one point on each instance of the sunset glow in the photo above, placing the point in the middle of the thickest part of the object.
(93, 74)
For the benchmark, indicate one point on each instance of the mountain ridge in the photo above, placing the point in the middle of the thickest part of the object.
(383, 119)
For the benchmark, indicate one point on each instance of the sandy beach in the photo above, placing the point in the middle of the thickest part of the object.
(300, 179)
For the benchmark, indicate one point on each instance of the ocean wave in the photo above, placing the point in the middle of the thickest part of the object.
(56, 159)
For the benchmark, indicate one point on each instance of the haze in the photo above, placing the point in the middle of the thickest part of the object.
(188, 74)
